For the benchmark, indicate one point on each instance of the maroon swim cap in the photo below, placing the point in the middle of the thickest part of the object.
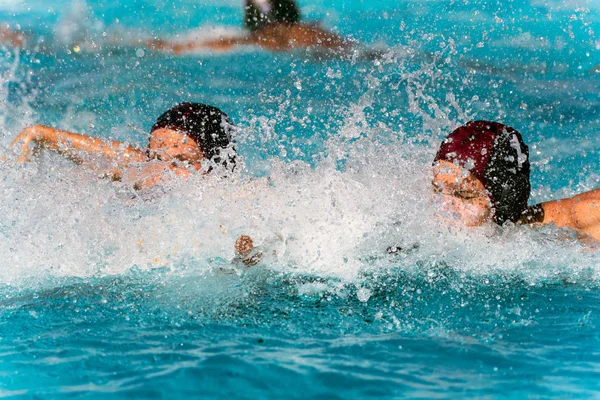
(497, 156)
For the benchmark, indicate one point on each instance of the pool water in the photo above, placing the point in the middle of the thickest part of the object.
(108, 292)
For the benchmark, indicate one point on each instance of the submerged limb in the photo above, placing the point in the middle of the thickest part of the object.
(219, 44)
(246, 256)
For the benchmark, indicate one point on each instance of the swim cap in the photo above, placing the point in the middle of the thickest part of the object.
(260, 13)
(208, 126)
(497, 156)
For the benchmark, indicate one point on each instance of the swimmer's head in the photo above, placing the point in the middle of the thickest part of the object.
(209, 129)
(490, 162)
(260, 13)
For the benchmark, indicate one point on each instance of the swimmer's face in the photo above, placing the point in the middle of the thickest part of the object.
(170, 145)
(461, 194)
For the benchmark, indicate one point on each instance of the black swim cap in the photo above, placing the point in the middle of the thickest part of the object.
(208, 126)
(497, 156)
(260, 13)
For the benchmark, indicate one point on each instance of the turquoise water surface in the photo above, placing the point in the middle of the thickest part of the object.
(108, 292)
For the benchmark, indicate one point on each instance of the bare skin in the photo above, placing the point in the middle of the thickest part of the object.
(168, 150)
(9, 36)
(465, 196)
(581, 212)
(244, 245)
(274, 37)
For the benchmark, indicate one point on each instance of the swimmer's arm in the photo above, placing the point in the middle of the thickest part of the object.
(581, 212)
(76, 147)
(220, 44)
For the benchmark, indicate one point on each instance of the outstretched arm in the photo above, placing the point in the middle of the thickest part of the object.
(581, 212)
(220, 44)
(79, 148)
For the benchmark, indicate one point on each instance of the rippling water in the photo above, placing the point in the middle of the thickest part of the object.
(106, 291)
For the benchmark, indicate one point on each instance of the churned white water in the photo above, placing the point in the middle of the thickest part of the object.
(332, 220)
(370, 191)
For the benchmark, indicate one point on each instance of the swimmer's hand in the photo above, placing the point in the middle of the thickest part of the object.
(244, 247)
(24, 142)
(157, 44)
(219, 44)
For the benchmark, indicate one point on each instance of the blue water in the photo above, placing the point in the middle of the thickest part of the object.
(109, 293)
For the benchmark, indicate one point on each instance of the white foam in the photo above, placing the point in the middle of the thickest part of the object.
(61, 221)
(330, 221)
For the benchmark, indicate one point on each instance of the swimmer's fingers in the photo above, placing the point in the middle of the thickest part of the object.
(244, 245)
(23, 142)
(252, 261)
(20, 137)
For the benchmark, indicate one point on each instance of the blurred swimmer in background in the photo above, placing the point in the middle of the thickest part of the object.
(481, 174)
(12, 36)
(271, 24)
(184, 140)
(74, 31)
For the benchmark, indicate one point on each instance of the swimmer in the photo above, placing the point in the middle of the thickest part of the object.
(181, 141)
(271, 24)
(481, 173)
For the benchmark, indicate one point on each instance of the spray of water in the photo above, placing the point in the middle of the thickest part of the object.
(370, 192)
